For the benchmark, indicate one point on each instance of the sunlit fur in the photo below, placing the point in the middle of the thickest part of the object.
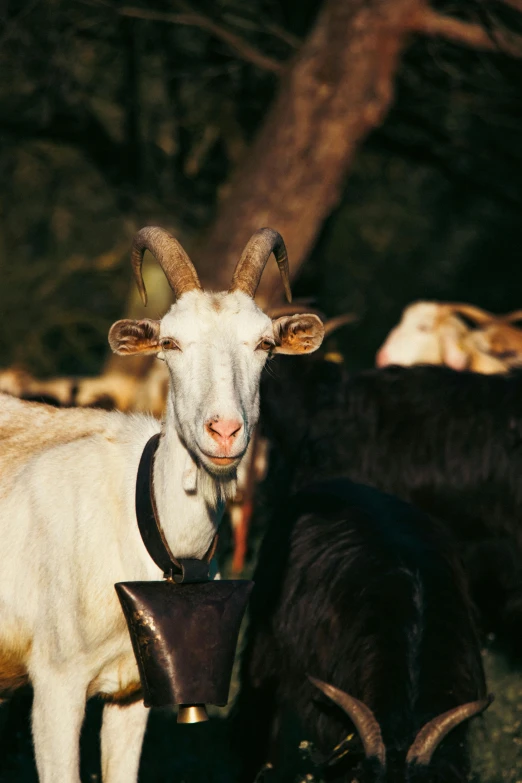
(68, 525)
(216, 373)
(419, 337)
(433, 333)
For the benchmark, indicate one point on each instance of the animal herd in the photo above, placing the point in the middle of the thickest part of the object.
(392, 549)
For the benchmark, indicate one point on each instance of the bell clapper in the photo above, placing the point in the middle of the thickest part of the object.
(192, 713)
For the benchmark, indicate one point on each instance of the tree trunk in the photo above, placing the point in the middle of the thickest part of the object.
(335, 92)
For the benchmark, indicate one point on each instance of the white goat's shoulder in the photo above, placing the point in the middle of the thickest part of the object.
(28, 429)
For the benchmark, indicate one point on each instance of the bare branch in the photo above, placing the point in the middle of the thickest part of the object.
(245, 50)
(516, 4)
(430, 22)
(284, 35)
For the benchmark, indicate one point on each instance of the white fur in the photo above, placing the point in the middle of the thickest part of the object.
(69, 532)
(432, 333)
(419, 336)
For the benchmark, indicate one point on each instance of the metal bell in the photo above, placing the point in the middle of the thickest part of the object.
(184, 638)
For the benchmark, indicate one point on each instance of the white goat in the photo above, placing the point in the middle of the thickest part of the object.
(67, 485)
(501, 339)
(443, 333)
(20, 383)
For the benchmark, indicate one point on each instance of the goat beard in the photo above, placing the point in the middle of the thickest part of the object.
(217, 486)
(216, 489)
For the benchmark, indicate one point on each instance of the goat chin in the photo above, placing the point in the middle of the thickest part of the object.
(217, 486)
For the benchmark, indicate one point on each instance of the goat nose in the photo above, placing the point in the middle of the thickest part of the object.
(224, 430)
(381, 359)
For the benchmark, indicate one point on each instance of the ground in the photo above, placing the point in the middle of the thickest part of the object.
(199, 754)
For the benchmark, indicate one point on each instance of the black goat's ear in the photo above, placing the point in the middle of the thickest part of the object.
(297, 334)
(129, 337)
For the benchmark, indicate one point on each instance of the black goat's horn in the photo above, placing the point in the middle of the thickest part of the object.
(253, 261)
(431, 735)
(176, 264)
(335, 323)
(362, 718)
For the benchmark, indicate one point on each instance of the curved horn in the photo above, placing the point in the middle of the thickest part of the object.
(471, 311)
(516, 315)
(176, 264)
(361, 716)
(335, 323)
(431, 735)
(255, 255)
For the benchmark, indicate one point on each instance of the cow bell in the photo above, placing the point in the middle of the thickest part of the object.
(184, 638)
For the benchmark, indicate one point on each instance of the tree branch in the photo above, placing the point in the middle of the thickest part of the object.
(245, 50)
(429, 22)
(285, 36)
(516, 4)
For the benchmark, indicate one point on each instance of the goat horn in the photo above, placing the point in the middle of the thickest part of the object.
(431, 735)
(480, 315)
(255, 255)
(176, 264)
(335, 323)
(516, 315)
(362, 718)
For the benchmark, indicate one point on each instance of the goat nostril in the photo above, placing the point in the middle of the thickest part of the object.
(223, 429)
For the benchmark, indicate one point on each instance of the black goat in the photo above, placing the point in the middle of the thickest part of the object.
(451, 443)
(365, 592)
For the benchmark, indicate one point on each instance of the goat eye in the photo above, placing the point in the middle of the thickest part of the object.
(168, 344)
(265, 345)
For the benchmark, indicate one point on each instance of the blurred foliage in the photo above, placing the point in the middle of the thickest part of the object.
(108, 122)
(113, 116)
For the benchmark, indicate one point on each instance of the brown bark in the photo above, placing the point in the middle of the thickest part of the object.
(338, 88)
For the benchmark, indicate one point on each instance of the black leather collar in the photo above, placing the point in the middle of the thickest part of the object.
(174, 569)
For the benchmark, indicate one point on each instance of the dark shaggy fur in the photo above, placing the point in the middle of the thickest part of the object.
(451, 443)
(359, 589)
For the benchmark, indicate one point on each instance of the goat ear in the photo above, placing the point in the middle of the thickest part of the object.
(472, 317)
(296, 334)
(128, 337)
